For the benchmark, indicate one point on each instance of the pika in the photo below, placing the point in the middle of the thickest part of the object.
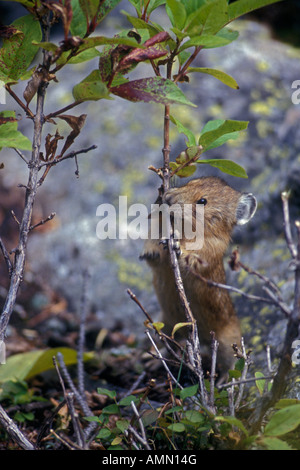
(212, 308)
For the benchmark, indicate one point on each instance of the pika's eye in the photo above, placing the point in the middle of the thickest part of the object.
(202, 201)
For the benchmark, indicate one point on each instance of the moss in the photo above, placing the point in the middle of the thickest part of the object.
(262, 66)
(130, 178)
(153, 142)
(130, 273)
(260, 107)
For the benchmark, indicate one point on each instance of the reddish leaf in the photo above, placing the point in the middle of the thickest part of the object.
(154, 89)
(160, 37)
(7, 32)
(76, 123)
(4, 120)
(51, 146)
(140, 55)
(64, 11)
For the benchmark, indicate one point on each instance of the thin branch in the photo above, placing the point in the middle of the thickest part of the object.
(81, 339)
(214, 349)
(273, 300)
(31, 188)
(287, 224)
(183, 70)
(20, 102)
(69, 398)
(143, 438)
(6, 257)
(80, 399)
(163, 360)
(245, 381)
(22, 156)
(14, 432)
(63, 110)
(43, 221)
(248, 361)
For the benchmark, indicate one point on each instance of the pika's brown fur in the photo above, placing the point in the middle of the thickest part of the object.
(212, 307)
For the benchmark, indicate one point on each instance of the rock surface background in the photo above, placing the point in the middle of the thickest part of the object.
(129, 139)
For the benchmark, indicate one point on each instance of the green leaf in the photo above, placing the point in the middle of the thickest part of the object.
(106, 7)
(26, 3)
(194, 416)
(189, 391)
(208, 19)
(240, 364)
(78, 58)
(283, 421)
(111, 409)
(273, 443)
(104, 433)
(177, 427)
(218, 128)
(122, 424)
(89, 8)
(233, 421)
(138, 23)
(126, 401)
(91, 88)
(152, 90)
(222, 76)
(184, 172)
(209, 41)
(95, 41)
(180, 325)
(107, 392)
(78, 24)
(176, 13)
(193, 5)
(260, 384)
(226, 166)
(10, 136)
(241, 7)
(182, 129)
(153, 4)
(18, 52)
(26, 365)
(287, 402)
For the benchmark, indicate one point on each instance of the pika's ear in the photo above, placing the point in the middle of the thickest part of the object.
(246, 208)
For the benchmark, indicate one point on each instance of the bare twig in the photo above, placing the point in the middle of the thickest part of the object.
(214, 349)
(14, 432)
(163, 360)
(142, 438)
(22, 156)
(80, 399)
(292, 330)
(43, 221)
(245, 381)
(20, 103)
(69, 398)
(31, 188)
(81, 340)
(287, 224)
(63, 110)
(272, 300)
(247, 363)
(72, 154)
(6, 257)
